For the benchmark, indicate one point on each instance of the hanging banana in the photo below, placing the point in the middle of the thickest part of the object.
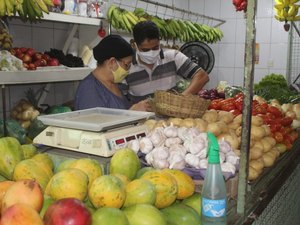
(286, 10)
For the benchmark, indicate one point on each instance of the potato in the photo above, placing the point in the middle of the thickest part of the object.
(201, 124)
(233, 125)
(238, 119)
(214, 128)
(271, 140)
(253, 174)
(150, 123)
(231, 138)
(226, 117)
(257, 121)
(267, 145)
(175, 121)
(188, 122)
(257, 133)
(267, 129)
(268, 159)
(223, 126)
(258, 164)
(238, 131)
(258, 144)
(210, 116)
(280, 147)
(255, 153)
(161, 123)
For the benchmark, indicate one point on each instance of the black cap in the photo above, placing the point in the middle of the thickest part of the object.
(112, 46)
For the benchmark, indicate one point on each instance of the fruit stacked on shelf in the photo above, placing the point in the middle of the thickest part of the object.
(53, 188)
(32, 59)
(6, 40)
(122, 19)
(67, 60)
(26, 9)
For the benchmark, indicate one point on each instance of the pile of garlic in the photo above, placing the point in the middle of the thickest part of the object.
(181, 147)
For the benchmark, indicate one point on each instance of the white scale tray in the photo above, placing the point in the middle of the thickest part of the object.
(95, 119)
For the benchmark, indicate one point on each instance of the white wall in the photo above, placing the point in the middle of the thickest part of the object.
(229, 53)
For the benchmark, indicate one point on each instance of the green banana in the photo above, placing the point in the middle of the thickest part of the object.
(49, 2)
(139, 12)
(42, 6)
(128, 26)
(130, 18)
(9, 7)
(2, 8)
(110, 12)
(34, 10)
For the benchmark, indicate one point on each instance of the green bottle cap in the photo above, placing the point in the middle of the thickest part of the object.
(213, 149)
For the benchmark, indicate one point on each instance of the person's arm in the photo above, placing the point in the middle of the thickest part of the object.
(199, 79)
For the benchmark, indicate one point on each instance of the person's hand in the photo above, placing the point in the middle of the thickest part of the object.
(142, 106)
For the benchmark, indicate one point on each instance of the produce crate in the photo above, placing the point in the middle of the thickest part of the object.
(231, 186)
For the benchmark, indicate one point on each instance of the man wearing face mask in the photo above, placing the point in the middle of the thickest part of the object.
(101, 87)
(154, 68)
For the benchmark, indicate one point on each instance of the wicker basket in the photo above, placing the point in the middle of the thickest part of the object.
(176, 105)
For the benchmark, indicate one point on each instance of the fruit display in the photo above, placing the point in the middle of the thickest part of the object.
(6, 40)
(9, 62)
(33, 59)
(67, 60)
(26, 9)
(122, 19)
(143, 200)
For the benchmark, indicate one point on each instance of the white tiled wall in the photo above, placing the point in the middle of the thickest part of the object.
(229, 53)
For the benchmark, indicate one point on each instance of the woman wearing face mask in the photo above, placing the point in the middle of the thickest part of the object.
(154, 68)
(101, 87)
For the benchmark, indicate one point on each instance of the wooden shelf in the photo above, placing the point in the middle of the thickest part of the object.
(43, 76)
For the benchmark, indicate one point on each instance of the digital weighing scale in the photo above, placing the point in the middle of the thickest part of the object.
(97, 131)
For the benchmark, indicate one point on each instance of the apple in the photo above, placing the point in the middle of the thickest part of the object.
(30, 51)
(23, 49)
(20, 55)
(25, 65)
(31, 66)
(40, 62)
(26, 58)
(67, 211)
(46, 57)
(18, 51)
(37, 56)
(53, 62)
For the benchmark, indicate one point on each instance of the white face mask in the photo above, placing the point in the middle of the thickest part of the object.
(149, 57)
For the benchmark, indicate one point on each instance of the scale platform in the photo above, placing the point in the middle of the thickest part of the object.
(97, 131)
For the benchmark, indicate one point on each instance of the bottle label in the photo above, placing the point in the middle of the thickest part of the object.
(213, 207)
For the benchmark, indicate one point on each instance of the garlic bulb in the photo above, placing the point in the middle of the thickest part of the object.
(171, 131)
(157, 137)
(203, 164)
(160, 164)
(146, 145)
(176, 161)
(172, 141)
(178, 148)
(134, 145)
(202, 153)
(160, 153)
(195, 144)
(222, 157)
(232, 158)
(224, 146)
(192, 161)
(193, 131)
(183, 133)
(149, 158)
(228, 167)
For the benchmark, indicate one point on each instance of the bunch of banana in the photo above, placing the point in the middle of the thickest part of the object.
(182, 30)
(26, 9)
(6, 39)
(286, 10)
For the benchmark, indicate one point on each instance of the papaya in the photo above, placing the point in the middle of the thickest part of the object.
(32, 169)
(68, 183)
(186, 185)
(125, 161)
(165, 186)
(29, 150)
(107, 191)
(11, 154)
(45, 159)
(91, 167)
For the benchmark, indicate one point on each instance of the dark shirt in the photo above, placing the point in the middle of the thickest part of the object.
(92, 93)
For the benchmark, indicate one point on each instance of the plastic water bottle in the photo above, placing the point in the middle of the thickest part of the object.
(214, 197)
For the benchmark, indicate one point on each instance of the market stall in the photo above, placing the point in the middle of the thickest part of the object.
(80, 154)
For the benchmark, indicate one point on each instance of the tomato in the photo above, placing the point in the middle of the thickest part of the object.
(288, 137)
(275, 127)
(215, 105)
(239, 96)
(273, 110)
(288, 144)
(278, 137)
(286, 121)
(239, 105)
(228, 107)
(227, 101)
(259, 109)
(265, 105)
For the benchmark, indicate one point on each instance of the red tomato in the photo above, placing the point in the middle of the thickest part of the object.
(228, 107)
(239, 96)
(273, 110)
(278, 137)
(288, 137)
(265, 105)
(260, 109)
(214, 105)
(239, 105)
(288, 144)
(275, 127)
